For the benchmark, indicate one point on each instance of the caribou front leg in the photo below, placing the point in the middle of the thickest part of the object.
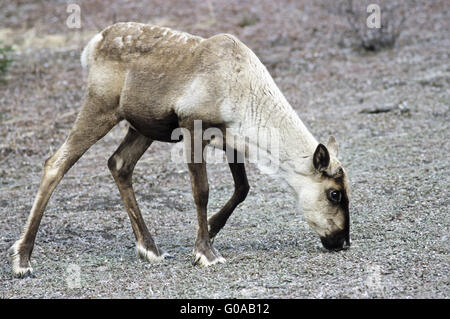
(241, 188)
(204, 253)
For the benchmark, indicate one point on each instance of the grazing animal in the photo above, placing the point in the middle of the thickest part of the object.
(160, 80)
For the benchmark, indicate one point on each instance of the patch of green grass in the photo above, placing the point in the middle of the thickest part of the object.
(248, 21)
(5, 59)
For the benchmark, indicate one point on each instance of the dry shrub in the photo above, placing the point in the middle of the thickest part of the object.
(392, 18)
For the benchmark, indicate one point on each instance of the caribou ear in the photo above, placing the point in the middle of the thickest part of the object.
(321, 158)
(332, 146)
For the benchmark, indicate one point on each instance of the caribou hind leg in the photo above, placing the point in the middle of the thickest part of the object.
(241, 189)
(121, 164)
(93, 122)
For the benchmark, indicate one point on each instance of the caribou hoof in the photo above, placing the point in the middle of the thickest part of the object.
(206, 256)
(150, 255)
(21, 266)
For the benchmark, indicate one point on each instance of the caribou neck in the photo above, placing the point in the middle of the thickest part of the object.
(295, 145)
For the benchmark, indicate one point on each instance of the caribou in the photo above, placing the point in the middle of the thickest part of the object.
(160, 80)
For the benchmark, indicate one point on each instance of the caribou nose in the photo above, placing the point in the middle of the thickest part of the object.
(333, 242)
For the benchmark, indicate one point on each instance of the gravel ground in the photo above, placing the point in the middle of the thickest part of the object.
(397, 161)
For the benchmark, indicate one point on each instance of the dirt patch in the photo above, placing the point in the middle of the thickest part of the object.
(32, 40)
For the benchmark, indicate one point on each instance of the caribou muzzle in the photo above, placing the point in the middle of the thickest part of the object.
(337, 241)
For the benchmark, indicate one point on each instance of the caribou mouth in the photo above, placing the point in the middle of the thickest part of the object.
(336, 242)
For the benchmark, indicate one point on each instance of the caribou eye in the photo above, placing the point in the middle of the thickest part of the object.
(334, 196)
